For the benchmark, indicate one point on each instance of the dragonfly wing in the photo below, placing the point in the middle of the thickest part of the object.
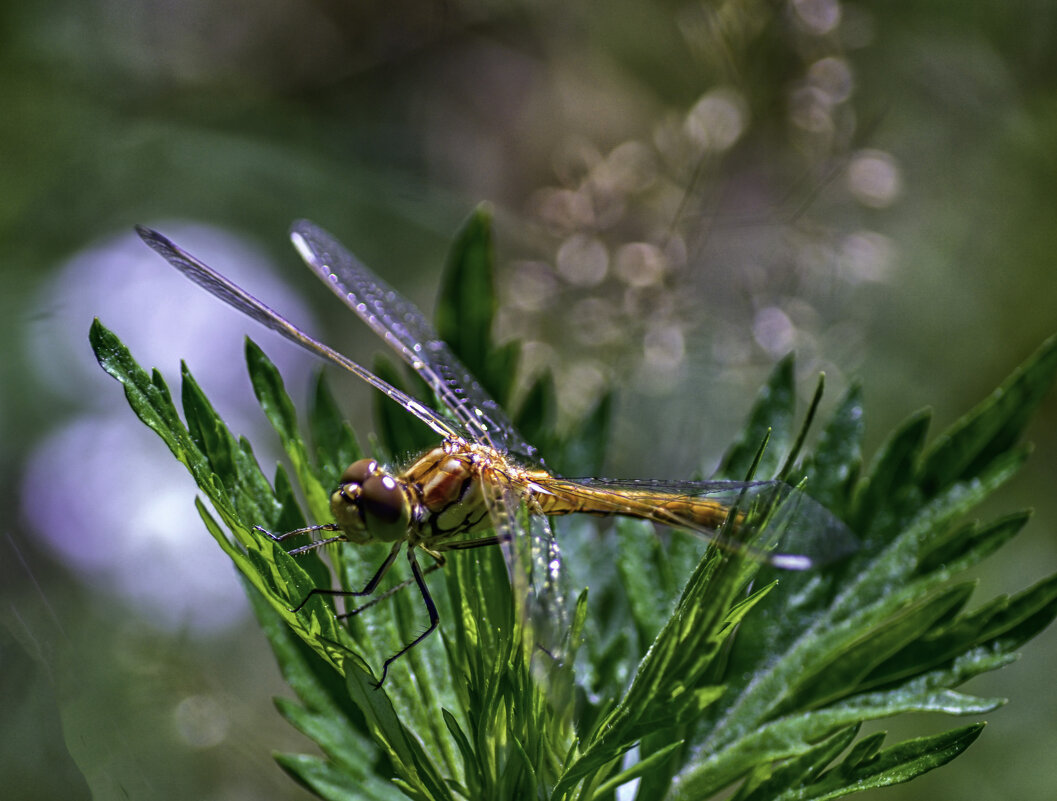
(534, 561)
(410, 334)
(234, 295)
(800, 532)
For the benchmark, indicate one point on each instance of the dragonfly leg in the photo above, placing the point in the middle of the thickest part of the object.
(368, 588)
(466, 545)
(431, 609)
(307, 530)
(390, 592)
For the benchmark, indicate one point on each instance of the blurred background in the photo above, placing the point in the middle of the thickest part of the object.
(684, 192)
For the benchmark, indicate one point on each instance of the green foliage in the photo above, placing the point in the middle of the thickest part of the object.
(695, 672)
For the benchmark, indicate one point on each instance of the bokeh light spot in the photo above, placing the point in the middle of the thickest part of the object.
(201, 721)
(818, 16)
(717, 120)
(639, 264)
(874, 178)
(583, 260)
(774, 331)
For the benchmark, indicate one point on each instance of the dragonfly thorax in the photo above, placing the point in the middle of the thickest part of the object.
(370, 505)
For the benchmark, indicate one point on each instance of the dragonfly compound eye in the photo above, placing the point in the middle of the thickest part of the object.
(359, 471)
(369, 505)
(383, 502)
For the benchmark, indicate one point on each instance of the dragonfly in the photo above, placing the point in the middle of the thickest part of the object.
(467, 492)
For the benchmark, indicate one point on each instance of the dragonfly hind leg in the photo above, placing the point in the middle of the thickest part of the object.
(431, 610)
(418, 579)
(418, 576)
(368, 588)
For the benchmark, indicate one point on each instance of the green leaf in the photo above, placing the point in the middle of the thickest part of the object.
(150, 400)
(994, 426)
(836, 463)
(279, 409)
(889, 494)
(795, 735)
(411, 762)
(771, 416)
(335, 443)
(466, 306)
(896, 765)
(802, 770)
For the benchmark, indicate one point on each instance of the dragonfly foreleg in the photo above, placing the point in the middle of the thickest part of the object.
(307, 530)
(368, 588)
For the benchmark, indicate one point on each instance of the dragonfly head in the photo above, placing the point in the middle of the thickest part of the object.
(370, 505)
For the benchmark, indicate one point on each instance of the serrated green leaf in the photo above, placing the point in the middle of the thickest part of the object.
(896, 765)
(466, 306)
(666, 690)
(929, 526)
(209, 434)
(994, 426)
(771, 416)
(271, 394)
(335, 443)
(835, 465)
(795, 735)
(845, 667)
(996, 626)
(149, 398)
(888, 495)
(803, 769)
(767, 682)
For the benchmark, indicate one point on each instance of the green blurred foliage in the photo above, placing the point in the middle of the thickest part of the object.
(386, 123)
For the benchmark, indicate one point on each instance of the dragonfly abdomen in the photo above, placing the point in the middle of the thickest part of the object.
(563, 497)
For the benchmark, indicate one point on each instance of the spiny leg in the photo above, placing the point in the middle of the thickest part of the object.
(368, 588)
(431, 608)
(418, 578)
(466, 545)
(306, 530)
(456, 546)
(389, 593)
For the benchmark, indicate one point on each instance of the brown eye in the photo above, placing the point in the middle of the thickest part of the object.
(359, 471)
(382, 499)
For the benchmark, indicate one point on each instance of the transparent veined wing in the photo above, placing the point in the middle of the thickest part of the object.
(533, 558)
(234, 295)
(410, 334)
